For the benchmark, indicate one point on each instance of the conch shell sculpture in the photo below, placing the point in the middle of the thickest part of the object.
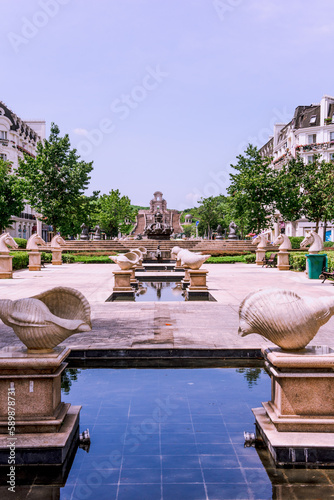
(45, 320)
(283, 317)
(125, 260)
(191, 260)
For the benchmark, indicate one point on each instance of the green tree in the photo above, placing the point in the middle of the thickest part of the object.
(114, 211)
(252, 189)
(83, 211)
(11, 194)
(211, 214)
(55, 179)
(289, 195)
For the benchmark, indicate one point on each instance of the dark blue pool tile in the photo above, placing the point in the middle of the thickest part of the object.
(177, 438)
(212, 438)
(119, 428)
(113, 460)
(206, 427)
(207, 419)
(182, 476)
(176, 427)
(102, 492)
(138, 448)
(180, 462)
(219, 461)
(177, 449)
(96, 477)
(139, 434)
(139, 492)
(230, 492)
(215, 449)
(140, 476)
(225, 475)
(183, 491)
(264, 491)
(141, 461)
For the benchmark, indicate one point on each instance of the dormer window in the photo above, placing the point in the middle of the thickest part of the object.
(313, 119)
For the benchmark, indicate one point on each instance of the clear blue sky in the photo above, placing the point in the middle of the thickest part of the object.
(174, 89)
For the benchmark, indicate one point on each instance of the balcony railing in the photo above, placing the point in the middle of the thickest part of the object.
(316, 146)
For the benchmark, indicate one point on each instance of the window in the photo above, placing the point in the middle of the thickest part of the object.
(332, 157)
(312, 138)
(3, 134)
(313, 119)
(332, 137)
(310, 159)
(3, 157)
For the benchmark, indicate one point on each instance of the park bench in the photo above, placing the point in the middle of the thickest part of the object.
(271, 262)
(325, 275)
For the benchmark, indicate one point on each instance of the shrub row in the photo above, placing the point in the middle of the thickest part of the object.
(22, 242)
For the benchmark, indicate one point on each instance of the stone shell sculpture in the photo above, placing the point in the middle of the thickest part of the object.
(174, 252)
(284, 318)
(126, 260)
(45, 320)
(143, 250)
(191, 260)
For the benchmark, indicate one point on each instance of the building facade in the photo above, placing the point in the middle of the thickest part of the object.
(310, 132)
(19, 136)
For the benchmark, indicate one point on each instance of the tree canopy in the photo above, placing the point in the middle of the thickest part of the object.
(55, 179)
(114, 211)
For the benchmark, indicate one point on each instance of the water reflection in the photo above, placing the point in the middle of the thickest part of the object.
(159, 290)
(173, 433)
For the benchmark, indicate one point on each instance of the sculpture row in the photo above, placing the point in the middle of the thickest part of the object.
(34, 244)
(312, 239)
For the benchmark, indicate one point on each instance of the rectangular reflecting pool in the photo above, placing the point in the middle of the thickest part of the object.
(169, 434)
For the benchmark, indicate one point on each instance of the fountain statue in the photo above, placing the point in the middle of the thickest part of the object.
(232, 231)
(158, 230)
(84, 232)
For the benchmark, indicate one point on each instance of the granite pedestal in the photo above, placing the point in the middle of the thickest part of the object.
(300, 413)
(34, 261)
(122, 286)
(260, 255)
(197, 287)
(56, 258)
(283, 261)
(31, 411)
(6, 268)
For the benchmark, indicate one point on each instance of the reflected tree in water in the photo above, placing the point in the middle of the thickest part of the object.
(67, 378)
(251, 375)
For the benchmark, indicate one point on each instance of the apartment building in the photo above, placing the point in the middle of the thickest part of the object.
(310, 132)
(18, 136)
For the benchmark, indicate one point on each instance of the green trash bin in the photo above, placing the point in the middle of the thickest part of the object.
(316, 263)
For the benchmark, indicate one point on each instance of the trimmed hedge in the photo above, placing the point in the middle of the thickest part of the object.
(22, 242)
(328, 244)
(297, 261)
(296, 241)
(20, 260)
(250, 259)
(87, 259)
(227, 259)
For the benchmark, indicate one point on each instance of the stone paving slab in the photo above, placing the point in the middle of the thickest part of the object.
(178, 325)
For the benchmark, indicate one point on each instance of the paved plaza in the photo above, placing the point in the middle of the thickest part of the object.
(178, 325)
